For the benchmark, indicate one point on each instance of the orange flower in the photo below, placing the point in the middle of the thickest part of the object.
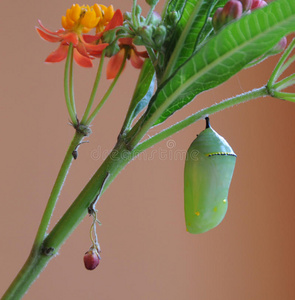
(116, 20)
(78, 20)
(128, 50)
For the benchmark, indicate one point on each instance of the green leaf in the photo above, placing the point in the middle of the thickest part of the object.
(143, 92)
(222, 56)
(193, 27)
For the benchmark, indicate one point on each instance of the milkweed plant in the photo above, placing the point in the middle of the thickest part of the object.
(188, 48)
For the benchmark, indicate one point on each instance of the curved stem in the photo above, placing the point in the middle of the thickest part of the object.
(66, 86)
(63, 172)
(94, 89)
(261, 92)
(107, 94)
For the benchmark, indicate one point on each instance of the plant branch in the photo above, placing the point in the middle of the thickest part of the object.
(36, 260)
(261, 92)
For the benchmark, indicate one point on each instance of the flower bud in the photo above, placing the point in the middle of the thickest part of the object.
(138, 10)
(138, 41)
(246, 4)
(112, 49)
(127, 16)
(155, 19)
(279, 47)
(109, 36)
(258, 4)
(233, 9)
(216, 20)
(152, 2)
(173, 17)
(159, 36)
(146, 33)
(91, 259)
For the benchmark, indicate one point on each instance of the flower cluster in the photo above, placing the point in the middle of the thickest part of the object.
(234, 9)
(77, 22)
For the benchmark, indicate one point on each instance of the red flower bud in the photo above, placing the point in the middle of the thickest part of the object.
(280, 46)
(91, 259)
(246, 4)
(258, 4)
(233, 9)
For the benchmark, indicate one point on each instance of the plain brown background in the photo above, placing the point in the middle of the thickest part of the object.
(146, 251)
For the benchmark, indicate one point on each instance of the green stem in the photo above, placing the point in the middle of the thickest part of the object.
(261, 92)
(284, 83)
(278, 69)
(287, 64)
(107, 94)
(150, 13)
(114, 163)
(284, 96)
(64, 169)
(71, 83)
(94, 89)
(153, 58)
(66, 86)
(36, 260)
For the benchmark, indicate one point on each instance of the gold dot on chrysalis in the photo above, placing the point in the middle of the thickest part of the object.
(197, 213)
(224, 200)
(215, 209)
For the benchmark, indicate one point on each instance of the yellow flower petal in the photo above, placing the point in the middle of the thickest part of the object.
(97, 10)
(75, 12)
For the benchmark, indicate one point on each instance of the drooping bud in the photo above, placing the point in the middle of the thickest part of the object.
(91, 259)
(258, 4)
(246, 4)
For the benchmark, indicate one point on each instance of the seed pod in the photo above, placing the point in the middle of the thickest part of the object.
(91, 259)
(209, 167)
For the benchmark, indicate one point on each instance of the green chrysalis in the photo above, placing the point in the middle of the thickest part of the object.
(209, 167)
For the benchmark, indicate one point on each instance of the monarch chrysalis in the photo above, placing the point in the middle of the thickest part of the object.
(209, 167)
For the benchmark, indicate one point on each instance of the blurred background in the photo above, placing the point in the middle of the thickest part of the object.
(146, 251)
